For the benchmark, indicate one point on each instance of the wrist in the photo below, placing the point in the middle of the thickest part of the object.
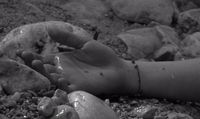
(132, 77)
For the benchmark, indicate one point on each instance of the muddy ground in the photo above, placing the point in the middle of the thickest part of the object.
(14, 13)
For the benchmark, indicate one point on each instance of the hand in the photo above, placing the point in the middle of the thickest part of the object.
(92, 66)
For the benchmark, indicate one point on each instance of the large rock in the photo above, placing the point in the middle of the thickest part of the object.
(191, 45)
(65, 112)
(86, 11)
(39, 38)
(184, 5)
(145, 112)
(179, 116)
(16, 77)
(197, 2)
(166, 53)
(189, 21)
(3, 116)
(144, 10)
(76, 105)
(90, 107)
(143, 42)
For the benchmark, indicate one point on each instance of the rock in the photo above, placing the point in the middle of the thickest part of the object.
(197, 2)
(166, 53)
(189, 21)
(46, 107)
(145, 112)
(16, 96)
(39, 38)
(16, 77)
(1, 91)
(160, 117)
(179, 116)
(60, 97)
(11, 100)
(184, 5)
(8, 102)
(143, 42)
(191, 45)
(144, 11)
(107, 101)
(65, 112)
(90, 107)
(3, 116)
(86, 11)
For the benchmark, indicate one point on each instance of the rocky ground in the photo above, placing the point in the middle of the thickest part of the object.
(168, 31)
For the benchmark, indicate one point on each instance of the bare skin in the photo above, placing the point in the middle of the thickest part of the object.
(94, 68)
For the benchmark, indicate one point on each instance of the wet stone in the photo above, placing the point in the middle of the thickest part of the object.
(197, 2)
(3, 116)
(189, 21)
(144, 11)
(166, 53)
(46, 107)
(65, 112)
(16, 77)
(179, 116)
(60, 97)
(191, 45)
(145, 112)
(143, 42)
(16, 96)
(86, 11)
(160, 117)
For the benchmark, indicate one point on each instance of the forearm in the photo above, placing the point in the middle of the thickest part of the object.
(171, 80)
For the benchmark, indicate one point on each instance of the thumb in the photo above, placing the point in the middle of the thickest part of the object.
(59, 32)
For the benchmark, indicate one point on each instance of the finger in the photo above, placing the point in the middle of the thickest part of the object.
(65, 37)
(39, 67)
(63, 84)
(96, 53)
(50, 68)
(49, 59)
(54, 78)
(98, 49)
(19, 52)
(28, 57)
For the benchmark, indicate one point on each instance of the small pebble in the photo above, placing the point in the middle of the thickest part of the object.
(107, 101)
(145, 112)
(160, 117)
(179, 116)
(46, 106)
(16, 96)
(60, 97)
(133, 103)
(3, 116)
